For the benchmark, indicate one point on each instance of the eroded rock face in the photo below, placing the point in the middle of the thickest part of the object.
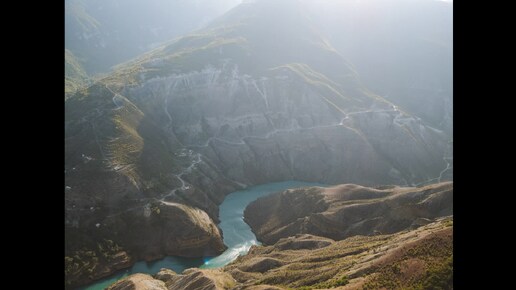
(347, 210)
(148, 233)
(192, 279)
(94, 265)
(138, 282)
(169, 228)
(258, 130)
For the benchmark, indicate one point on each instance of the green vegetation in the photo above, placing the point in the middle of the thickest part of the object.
(434, 270)
(75, 76)
(341, 282)
(420, 259)
(319, 268)
(196, 58)
(438, 277)
(332, 283)
(448, 223)
(127, 144)
(85, 261)
(155, 209)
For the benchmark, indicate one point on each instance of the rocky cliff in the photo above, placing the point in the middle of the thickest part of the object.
(347, 210)
(148, 233)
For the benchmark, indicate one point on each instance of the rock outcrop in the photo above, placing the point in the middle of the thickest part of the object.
(86, 266)
(148, 233)
(167, 228)
(190, 279)
(138, 282)
(346, 210)
(193, 279)
(303, 242)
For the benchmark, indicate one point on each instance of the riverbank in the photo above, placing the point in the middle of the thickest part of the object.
(237, 235)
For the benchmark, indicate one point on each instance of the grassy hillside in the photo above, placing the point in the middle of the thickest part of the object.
(416, 259)
(75, 76)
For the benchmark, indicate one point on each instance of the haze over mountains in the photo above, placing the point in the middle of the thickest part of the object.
(320, 91)
(103, 33)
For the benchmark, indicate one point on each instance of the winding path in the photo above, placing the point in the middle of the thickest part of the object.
(439, 178)
(241, 141)
(445, 169)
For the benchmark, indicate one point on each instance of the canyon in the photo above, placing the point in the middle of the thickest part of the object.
(153, 147)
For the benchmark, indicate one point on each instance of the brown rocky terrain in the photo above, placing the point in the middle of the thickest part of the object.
(404, 260)
(89, 265)
(140, 282)
(420, 258)
(347, 210)
(190, 279)
(169, 229)
(149, 233)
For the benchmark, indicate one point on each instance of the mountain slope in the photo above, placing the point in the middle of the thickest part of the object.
(107, 32)
(237, 103)
(415, 259)
(75, 76)
(347, 210)
(403, 50)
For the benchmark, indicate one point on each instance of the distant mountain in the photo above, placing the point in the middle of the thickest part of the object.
(103, 33)
(258, 95)
(403, 50)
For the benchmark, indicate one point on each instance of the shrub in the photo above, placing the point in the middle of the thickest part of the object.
(341, 282)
